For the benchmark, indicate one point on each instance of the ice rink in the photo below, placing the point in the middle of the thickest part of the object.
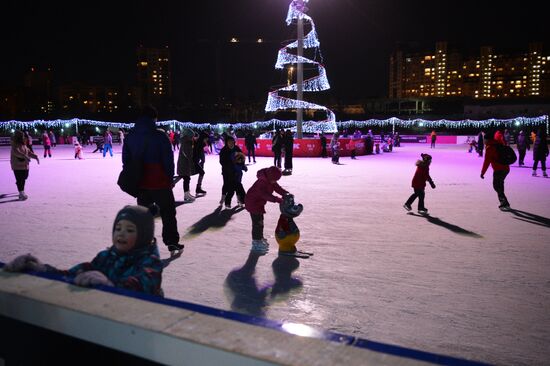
(467, 281)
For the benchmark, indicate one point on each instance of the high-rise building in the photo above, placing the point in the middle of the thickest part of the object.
(90, 99)
(38, 91)
(490, 74)
(154, 74)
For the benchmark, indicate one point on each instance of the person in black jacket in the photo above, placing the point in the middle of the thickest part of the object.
(323, 145)
(227, 161)
(151, 145)
(251, 144)
(288, 143)
(480, 143)
(277, 147)
(199, 159)
(540, 152)
(523, 145)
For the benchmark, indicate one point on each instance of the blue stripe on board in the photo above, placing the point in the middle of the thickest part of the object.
(275, 325)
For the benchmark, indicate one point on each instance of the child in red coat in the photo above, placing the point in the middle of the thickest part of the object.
(421, 176)
(255, 200)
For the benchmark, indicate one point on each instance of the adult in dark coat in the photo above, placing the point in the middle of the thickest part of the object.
(480, 143)
(199, 159)
(288, 143)
(523, 144)
(323, 145)
(153, 147)
(277, 147)
(227, 161)
(540, 152)
(186, 164)
(250, 143)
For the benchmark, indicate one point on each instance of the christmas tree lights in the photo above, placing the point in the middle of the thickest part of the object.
(275, 102)
(309, 126)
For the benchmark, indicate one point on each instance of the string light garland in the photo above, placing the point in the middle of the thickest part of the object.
(276, 102)
(308, 126)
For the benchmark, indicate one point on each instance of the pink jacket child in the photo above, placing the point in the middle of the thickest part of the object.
(255, 200)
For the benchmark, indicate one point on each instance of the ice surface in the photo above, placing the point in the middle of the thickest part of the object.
(470, 281)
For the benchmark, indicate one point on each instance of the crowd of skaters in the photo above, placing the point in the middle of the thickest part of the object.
(155, 148)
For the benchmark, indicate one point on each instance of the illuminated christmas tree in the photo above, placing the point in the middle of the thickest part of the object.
(291, 56)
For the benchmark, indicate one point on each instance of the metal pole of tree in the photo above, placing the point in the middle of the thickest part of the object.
(300, 73)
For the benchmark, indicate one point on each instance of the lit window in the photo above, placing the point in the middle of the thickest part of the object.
(233, 40)
(143, 63)
(260, 40)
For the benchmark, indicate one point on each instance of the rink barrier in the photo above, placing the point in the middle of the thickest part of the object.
(184, 333)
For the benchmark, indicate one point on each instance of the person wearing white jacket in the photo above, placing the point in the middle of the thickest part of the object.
(19, 158)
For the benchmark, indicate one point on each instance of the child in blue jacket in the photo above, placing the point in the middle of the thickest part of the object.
(132, 262)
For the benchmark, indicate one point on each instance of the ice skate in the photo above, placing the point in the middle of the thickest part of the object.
(175, 249)
(504, 207)
(22, 196)
(296, 254)
(260, 247)
(188, 197)
(222, 200)
(544, 175)
(534, 173)
(423, 211)
(200, 191)
(228, 206)
(407, 207)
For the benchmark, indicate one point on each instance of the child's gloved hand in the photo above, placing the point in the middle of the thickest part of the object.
(92, 278)
(432, 184)
(25, 262)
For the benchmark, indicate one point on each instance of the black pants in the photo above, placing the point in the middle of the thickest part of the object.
(498, 185)
(480, 150)
(542, 164)
(20, 178)
(323, 151)
(521, 156)
(277, 158)
(288, 160)
(186, 182)
(233, 187)
(432, 144)
(420, 193)
(353, 154)
(257, 226)
(251, 153)
(47, 150)
(164, 198)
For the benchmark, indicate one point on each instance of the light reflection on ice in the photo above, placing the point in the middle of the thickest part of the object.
(300, 330)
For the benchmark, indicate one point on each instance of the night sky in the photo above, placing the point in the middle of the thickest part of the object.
(95, 41)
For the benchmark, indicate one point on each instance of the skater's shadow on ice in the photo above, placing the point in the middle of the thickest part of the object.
(531, 218)
(446, 225)
(166, 261)
(9, 197)
(217, 219)
(242, 290)
(283, 267)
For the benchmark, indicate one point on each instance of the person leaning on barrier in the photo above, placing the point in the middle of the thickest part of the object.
(132, 262)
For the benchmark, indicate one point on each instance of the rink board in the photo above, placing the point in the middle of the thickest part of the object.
(179, 333)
